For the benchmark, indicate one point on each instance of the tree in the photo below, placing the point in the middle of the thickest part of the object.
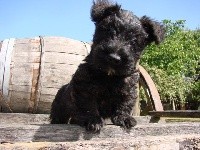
(173, 64)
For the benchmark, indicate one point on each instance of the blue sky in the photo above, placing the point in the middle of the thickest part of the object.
(71, 18)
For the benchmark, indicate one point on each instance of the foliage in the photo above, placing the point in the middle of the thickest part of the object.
(173, 27)
(173, 64)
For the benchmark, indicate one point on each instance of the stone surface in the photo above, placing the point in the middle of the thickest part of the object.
(179, 142)
(63, 133)
(26, 118)
(33, 131)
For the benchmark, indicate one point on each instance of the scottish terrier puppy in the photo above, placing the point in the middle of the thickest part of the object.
(104, 86)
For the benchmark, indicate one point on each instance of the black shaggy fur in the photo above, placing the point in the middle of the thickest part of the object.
(105, 85)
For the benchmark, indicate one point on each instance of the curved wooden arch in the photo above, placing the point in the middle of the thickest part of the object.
(150, 89)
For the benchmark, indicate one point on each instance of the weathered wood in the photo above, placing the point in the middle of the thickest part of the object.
(50, 90)
(56, 71)
(178, 142)
(7, 74)
(45, 107)
(23, 118)
(40, 75)
(2, 62)
(22, 76)
(24, 73)
(16, 132)
(30, 41)
(20, 88)
(27, 118)
(176, 113)
(18, 101)
(63, 58)
(64, 133)
(27, 57)
(55, 75)
(22, 45)
(35, 67)
(136, 107)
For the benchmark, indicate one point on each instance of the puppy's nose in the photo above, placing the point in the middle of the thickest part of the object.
(114, 59)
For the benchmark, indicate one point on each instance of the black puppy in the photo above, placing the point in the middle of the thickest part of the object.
(105, 85)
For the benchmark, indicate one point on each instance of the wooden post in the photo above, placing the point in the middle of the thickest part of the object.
(136, 108)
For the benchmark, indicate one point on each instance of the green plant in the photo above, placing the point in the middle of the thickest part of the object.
(172, 64)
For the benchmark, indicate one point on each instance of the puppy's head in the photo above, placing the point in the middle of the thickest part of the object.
(119, 38)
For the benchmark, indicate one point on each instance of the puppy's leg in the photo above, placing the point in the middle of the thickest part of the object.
(124, 120)
(88, 114)
(122, 111)
(92, 123)
(60, 114)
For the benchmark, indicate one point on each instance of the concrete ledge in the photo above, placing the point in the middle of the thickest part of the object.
(180, 142)
(26, 118)
(33, 131)
(63, 133)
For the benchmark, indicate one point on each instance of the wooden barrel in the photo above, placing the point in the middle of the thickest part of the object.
(32, 70)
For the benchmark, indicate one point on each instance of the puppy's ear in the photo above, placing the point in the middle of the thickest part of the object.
(102, 9)
(155, 30)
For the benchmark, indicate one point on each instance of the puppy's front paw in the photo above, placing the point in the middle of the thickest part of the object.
(95, 124)
(125, 121)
